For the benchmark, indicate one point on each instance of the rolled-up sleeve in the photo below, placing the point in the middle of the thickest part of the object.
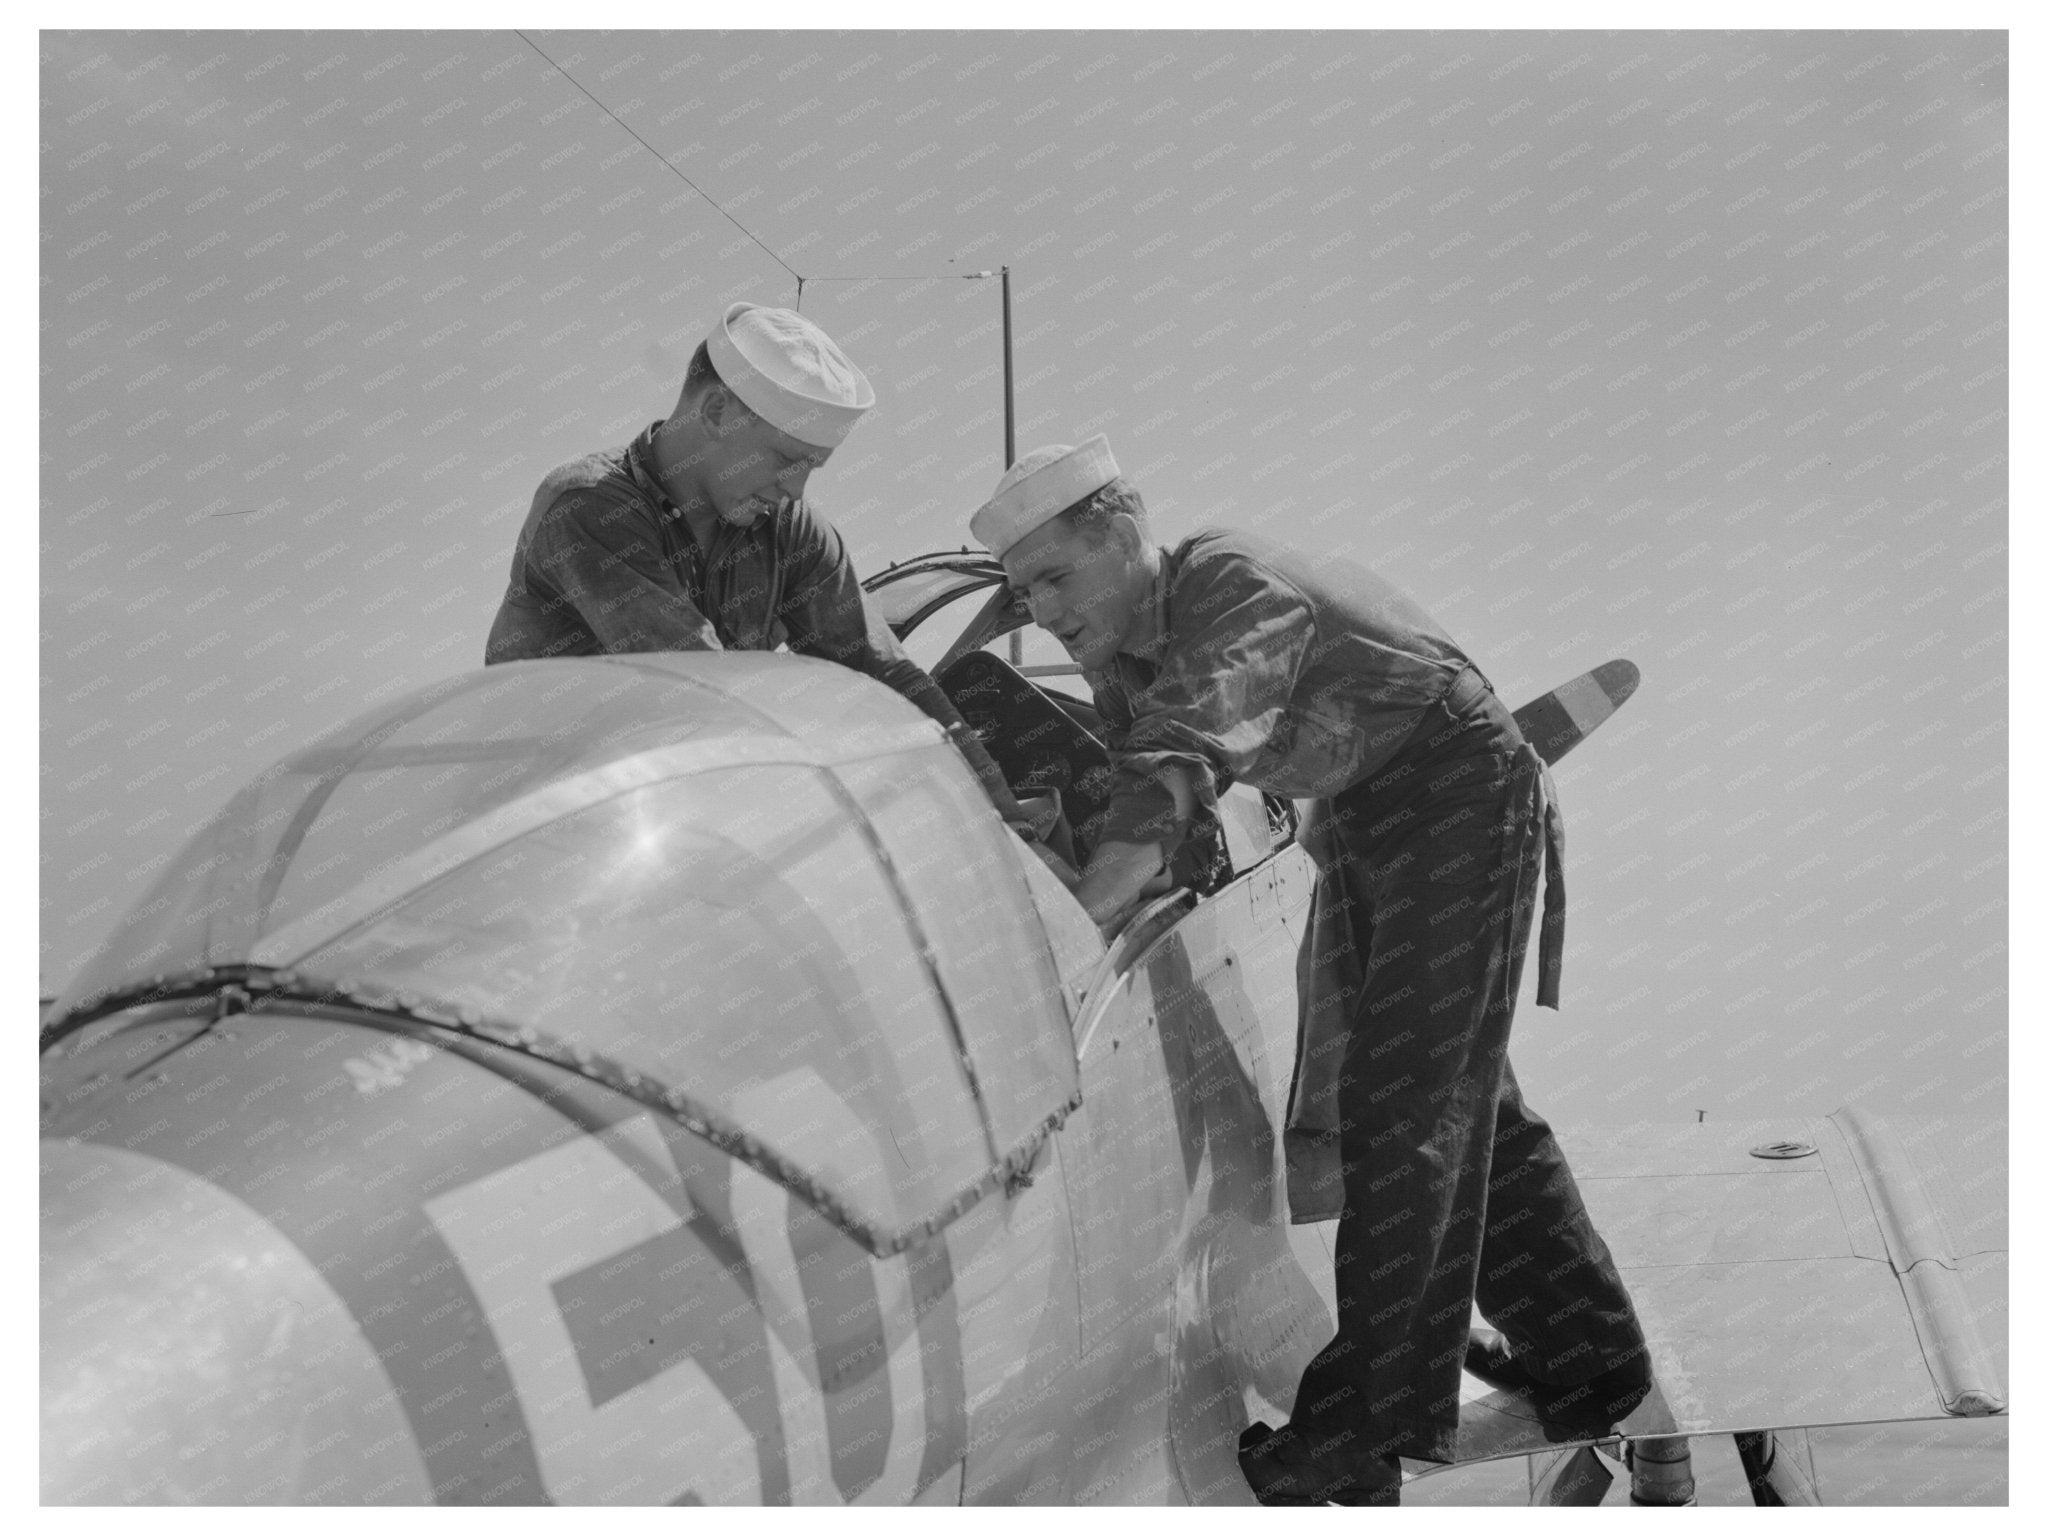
(827, 616)
(605, 559)
(1240, 636)
(822, 606)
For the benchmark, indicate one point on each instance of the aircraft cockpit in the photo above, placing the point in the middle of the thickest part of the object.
(1047, 740)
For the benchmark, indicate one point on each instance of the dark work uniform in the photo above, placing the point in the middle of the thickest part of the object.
(1313, 677)
(606, 564)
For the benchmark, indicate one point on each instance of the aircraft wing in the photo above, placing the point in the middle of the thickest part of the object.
(1860, 1281)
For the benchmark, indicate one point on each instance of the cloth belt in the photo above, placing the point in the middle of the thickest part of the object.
(1466, 695)
(1550, 946)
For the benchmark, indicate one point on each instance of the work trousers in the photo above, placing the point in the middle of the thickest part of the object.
(1454, 1190)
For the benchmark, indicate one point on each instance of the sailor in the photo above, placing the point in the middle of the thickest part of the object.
(695, 536)
(1231, 657)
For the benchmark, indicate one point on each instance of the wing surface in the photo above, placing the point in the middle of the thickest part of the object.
(1861, 1281)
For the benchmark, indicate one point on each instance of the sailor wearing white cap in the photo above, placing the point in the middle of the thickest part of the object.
(789, 372)
(1231, 657)
(694, 536)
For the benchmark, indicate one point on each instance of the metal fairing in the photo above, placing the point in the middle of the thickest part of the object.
(1188, 1264)
(591, 1191)
(567, 1299)
(380, 1215)
(583, 851)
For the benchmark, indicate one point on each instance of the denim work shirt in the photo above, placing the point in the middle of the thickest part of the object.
(1298, 673)
(606, 564)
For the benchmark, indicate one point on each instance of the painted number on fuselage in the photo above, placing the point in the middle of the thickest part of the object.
(663, 1356)
(622, 1405)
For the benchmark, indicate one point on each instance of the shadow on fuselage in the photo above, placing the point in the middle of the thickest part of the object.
(1247, 1315)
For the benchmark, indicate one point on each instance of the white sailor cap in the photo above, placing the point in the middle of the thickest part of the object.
(789, 373)
(1040, 486)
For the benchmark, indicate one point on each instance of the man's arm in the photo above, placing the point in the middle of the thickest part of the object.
(607, 560)
(1117, 876)
(827, 615)
(1240, 640)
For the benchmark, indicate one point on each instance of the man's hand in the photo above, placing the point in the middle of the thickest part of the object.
(1116, 879)
(1052, 861)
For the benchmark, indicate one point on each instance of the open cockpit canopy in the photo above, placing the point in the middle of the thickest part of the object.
(907, 594)
(764, 882)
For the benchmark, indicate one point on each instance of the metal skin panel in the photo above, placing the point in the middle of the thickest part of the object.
(1986, 1285)
(499, 1237)
(1918, 1214)
(578, 847)
(1125, 1179)
(569, 1297)
(269, 1113)
(1127, 1185)
(1916, 1207)
(1254, 1299)
(1800, 1342)
(1014, 1289)
(1189, 1270)
(173, 1301)
(1824, 1288)
(1652, 1148)
(1958, 1462)
(570, 1301)
(1716, 1218)
(1076, 946)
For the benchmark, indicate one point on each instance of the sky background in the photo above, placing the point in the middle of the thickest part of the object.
(1684, 347)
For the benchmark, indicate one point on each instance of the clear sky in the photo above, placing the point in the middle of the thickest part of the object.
(1685, 347)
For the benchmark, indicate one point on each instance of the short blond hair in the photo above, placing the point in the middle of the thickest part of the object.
(1090, 516)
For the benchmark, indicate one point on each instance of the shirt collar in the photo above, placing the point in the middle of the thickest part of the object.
(640, 466)
(1149, 632)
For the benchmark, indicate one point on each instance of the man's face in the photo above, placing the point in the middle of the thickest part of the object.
(751, 468)
(1081, 592)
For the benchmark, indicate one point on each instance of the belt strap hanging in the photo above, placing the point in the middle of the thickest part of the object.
(1550, 948)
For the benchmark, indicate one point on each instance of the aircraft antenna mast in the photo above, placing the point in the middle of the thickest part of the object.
(1010, 431)
(1009, 382)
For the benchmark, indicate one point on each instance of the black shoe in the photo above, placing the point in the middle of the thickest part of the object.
(1598, 1403)
(1282, 1470)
